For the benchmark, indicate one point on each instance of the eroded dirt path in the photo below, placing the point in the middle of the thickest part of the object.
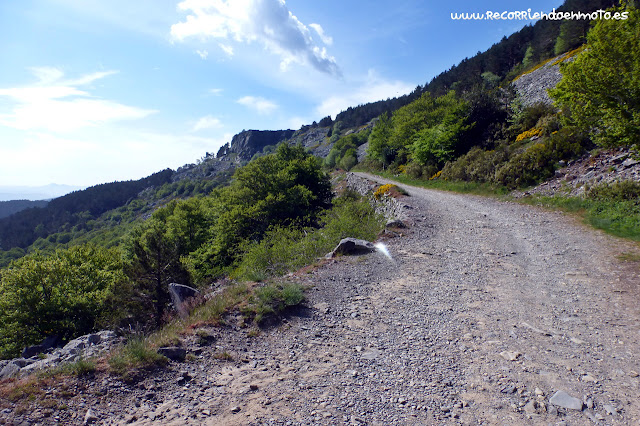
(485, 312)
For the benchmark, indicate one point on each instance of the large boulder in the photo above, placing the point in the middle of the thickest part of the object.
(352, 246)
(180, 294)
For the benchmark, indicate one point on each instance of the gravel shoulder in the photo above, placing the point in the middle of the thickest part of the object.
(486, 310)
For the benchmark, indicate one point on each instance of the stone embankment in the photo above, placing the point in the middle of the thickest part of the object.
(390, 207)
(596, 168)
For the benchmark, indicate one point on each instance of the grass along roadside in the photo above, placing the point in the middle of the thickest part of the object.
(252, 300)
(615, 217)
(446, 185)
(613, 208)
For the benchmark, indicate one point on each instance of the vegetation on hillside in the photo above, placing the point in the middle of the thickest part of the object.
(600, 90)
(485, 134)
(7, 208)
(277, 205)
(66, 223)
(67, 294)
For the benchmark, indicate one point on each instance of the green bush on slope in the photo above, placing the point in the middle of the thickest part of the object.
(600, 90)
(67, 294)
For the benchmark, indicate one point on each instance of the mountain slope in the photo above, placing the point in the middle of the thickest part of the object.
(7, 208)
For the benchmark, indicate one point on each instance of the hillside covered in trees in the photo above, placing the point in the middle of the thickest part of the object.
(503, 61)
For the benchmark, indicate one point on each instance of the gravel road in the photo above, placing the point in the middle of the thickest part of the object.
(488, 313)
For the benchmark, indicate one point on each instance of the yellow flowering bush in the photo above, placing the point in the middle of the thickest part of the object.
(436, 176)
(383, 190)
(528, 134)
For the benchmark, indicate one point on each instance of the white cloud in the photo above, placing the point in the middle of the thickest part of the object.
(268, 22)
(258, 104)
(215, 92)
(372, 89)
(202, 53)
(320, 31)
(207, 122)
(226, 49)
(46, 75)
(58, 105)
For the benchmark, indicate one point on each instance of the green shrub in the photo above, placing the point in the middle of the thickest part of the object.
(67, 294)
(281, 189)
(413, 170)
(356, 219)
(429, 128)
(524, 118)
(477, 165)
(285, 249)
(618, 191)
(526, 168)
(538, 161)
(273, 298)
(136, 353)
(343, 153)
(349, 160)
(281, 250)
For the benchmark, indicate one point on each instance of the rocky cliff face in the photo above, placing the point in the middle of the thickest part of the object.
(245, 144)
(314, 139)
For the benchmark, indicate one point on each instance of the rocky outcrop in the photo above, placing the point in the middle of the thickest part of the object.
(88, 346)
(600, 167)
(362, 151)
(208, 168)
(46, 344)
(246, 143)
(532, 87)
(315, 139)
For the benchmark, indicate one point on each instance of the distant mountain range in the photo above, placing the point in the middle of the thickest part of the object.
(46, 192)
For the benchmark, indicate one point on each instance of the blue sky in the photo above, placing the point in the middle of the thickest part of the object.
(94, 91)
